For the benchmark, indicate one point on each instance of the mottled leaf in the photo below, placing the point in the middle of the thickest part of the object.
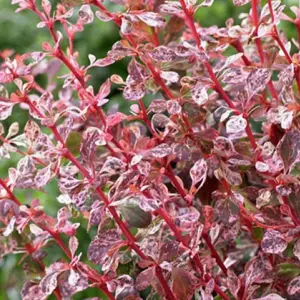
(273, 242)
(101, 245)
(294, 286)
(240, 2)
(152, 19)
(257, 81)
(236, 124)
(144, 279)
(163, 54)
(199, 94)
(289, 148)
(198, 172)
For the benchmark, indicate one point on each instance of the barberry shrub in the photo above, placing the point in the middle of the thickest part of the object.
(193, 194)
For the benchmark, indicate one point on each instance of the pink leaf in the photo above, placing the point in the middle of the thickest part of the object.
(152, 19)
(101, 244)
(273, 242)
(163, 54)
(115, 119)
(198, 172)
(294, 286)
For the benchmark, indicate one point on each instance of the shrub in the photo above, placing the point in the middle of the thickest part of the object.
(195, 196)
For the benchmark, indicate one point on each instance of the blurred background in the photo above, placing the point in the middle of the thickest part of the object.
(19, 32)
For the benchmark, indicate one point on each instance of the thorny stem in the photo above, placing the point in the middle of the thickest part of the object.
(170, 95)
(80, 77)
(259, 45)
(29, 247)
(256, 24)
(56, 236)
(189, 17)
(128, 235)
(281, 45)
(184, 194)
(165, 216)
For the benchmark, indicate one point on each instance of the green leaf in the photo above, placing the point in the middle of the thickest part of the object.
(134, 215)
(257, 233)
(295, 169)
(288, 270)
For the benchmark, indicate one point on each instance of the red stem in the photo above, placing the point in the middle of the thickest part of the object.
(10, 193)
(164, 284)
(281, 45)
(214, 253)
(218, 87)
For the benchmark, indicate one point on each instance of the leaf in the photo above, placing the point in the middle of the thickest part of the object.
(5, 109)
(187, 217)
(207, 3)
(101, 244)
(134, 215)
(199, 94)
(144, 279)
(240, 2)
(115, 119)
(104, 90)
(112, 165)
(43, 176)
(152, 19)
(32, 291)
(173, 107)
(236, 124)
(73, 245)
(160, 122)
(170, 76)
(10, 227)
(32, 131)
(271, 297)
(257, 81)
(163, 54)
(294, 286)
(91, 138)
(289, 148)
(261, 166)
(134, 92)
(161, 151)
(34, 229)
(171, 8)
(103, 16)
(104, 62)
(148, 204)
(295, 169)
(288, 271)
(26, 165)
(49, 283)
(257, 269)
(198, 172)
(158, 106)
(46, 5)
(86, 15)
(287, 75)
(181, 151)
(181, 283)
(233, 283)
(273, 242)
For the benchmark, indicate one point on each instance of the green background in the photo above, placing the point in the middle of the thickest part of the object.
(19, 32)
